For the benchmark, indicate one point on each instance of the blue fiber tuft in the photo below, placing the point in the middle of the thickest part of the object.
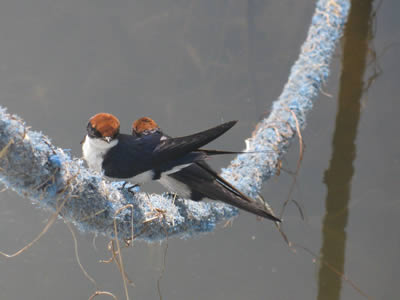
(55, 160)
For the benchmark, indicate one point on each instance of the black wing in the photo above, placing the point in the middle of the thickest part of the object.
(130, 157)
(135, 155)
(177, 147)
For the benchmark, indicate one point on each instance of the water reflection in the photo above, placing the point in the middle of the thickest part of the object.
(340, 172)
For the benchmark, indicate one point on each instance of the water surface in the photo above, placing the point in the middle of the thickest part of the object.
(191, 65)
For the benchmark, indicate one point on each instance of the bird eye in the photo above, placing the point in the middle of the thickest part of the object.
(92, 132)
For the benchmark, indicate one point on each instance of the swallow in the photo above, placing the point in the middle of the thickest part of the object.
(198, 180)
(139, 159)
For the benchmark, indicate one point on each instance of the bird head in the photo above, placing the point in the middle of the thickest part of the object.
(103, 126)
(144, 126)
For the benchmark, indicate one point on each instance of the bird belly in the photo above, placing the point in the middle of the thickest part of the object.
(176, 169)
(175, 186)
(142, 177)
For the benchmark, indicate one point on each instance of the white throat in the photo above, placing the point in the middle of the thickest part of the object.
(94, 149)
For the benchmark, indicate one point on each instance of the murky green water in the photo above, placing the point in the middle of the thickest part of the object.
(189, 65)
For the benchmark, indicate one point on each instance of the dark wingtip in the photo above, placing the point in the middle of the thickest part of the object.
(224, 127)
(230, 124)
(273, 218)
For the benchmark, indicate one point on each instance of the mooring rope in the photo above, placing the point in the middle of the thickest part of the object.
(50, 177)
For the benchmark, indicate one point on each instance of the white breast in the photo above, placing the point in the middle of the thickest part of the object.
(93, 151)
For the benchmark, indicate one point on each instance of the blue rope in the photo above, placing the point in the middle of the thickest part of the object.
(34, 168)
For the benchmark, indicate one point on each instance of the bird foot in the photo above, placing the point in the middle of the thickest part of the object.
(129, 189)
(172, 195)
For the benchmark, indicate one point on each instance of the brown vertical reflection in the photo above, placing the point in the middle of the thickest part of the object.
(340, 172)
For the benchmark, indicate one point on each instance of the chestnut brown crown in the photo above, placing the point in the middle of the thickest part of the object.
(103, 125)
(144, 124)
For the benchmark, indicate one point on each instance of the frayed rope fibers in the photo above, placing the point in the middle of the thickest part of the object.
(34, 168)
